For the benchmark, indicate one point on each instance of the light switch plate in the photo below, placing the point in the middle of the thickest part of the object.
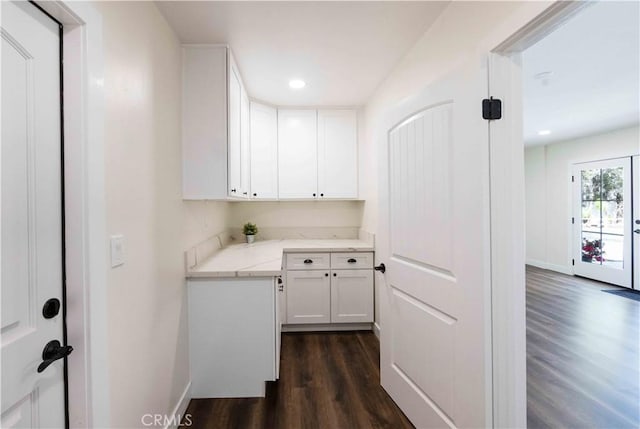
(117, 250)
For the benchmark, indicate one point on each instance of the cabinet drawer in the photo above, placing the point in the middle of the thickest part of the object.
(308, 261)
(353, 260)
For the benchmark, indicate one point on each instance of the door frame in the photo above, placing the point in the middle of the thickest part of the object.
(508, 285)
(85, 211)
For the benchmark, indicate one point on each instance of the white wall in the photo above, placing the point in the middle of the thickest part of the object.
(147, 323)
(548, 191)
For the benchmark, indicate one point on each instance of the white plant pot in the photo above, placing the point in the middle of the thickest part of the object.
(251, 238)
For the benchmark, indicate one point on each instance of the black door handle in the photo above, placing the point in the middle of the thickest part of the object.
(380, 268)
(637, 231)
(52, 352)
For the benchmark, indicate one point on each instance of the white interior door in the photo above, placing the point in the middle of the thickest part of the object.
(435, 317)
(602, 220)
(31, 218)
(636, 221)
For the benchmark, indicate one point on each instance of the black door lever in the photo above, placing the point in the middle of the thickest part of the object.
(380, 268)
(52, 352)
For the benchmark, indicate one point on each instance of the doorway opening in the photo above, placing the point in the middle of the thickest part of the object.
(574, 75)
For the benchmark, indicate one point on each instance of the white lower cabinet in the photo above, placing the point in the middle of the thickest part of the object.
(351, 296)
(234, 336)
(329, 296)
(308, 297)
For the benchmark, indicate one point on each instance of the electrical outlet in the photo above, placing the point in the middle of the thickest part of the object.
(117, 250)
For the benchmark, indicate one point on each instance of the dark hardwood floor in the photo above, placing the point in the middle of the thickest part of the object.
(327, 381)
(583, 371)
(583, 355)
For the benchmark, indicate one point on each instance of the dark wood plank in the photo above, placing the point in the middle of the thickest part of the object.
(327, 381)
(583, 354)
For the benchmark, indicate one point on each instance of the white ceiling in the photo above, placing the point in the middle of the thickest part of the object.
(595, 82)
(342, 49)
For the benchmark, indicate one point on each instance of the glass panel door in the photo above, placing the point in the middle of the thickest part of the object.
(602, 201)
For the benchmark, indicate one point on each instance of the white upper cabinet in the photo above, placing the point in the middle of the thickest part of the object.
(215, 111)
(233, 148)
(204, 119)
(264, 152)
(337, 154)
(297, 154)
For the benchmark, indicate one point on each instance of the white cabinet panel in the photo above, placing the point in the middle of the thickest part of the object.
(204, 118)
(264, 151)
(337, 154)
(308, 297)
(235, 127)
(351, 296)
(297, 154)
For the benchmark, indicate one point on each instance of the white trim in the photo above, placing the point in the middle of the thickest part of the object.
(547, 266)
(326, 327)
(85, 211)
(180, 409)
(376, 329)
(507, 216)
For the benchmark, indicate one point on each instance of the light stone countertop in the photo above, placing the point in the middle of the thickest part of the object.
(265, 258)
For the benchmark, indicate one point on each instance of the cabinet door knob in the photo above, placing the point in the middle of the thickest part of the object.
(244, 193)
(335, 275)
(326, 274)
(351, 261)
(322, 195)
(233, 190)
(255, 195)
(308, 261)
(314, 194)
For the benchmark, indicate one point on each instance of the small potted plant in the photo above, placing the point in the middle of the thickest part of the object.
(250, 230)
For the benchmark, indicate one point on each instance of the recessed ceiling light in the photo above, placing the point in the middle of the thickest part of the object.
(544, 132)
(297, 84)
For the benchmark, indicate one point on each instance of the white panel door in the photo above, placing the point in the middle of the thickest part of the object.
(308, 297)
(264, 151)
(245, 135)
(351, 296)
(337, 154)
(31, 218)
(636, 222)
(434, 201)
(235, 133)
(602, 236)
(297, 154)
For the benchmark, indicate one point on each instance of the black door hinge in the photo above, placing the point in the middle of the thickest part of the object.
(491, 109)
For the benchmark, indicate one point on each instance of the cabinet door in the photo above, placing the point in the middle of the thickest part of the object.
(245, 132)
(337, 154)
(264, 151)
(297, 154)
(351, 296)
(308, 297)
(235, 144)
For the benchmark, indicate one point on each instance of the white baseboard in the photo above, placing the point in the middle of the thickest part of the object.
(180, 408)
(376, 329)
(327, 327)
(553, 267)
